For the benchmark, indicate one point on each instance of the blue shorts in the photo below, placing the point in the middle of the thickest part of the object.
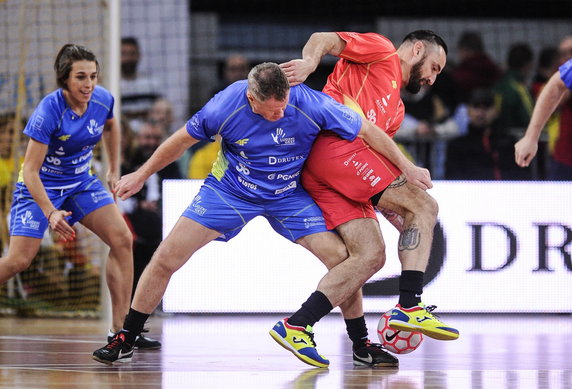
(27, 218)
(293, 216)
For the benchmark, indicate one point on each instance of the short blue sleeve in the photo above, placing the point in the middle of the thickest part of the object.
(202, 125)
(44, 120)
(327, 112)
(566, 73)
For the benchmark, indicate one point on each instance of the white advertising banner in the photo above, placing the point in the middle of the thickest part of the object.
(498, 247)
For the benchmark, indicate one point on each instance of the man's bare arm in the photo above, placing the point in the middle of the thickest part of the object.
(383, 144)
(319, 44)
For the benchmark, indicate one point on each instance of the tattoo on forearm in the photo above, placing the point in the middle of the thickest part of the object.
(399, 181)
(409, 239)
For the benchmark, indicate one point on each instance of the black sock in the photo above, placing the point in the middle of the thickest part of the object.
(316, 307)
(410, 288)
(357, 331)
(134, 323)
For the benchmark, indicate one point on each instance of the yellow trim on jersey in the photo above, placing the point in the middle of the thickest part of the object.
(220, 166)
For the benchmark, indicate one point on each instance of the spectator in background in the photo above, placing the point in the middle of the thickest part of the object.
(138, 92)
(514, 99)
(161, 112)
(236, 67)
(427, 121)
(145, 213)
(483, 153)
(475, 68)
(548, 62)
(555, 94)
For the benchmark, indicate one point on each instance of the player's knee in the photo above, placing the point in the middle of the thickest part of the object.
(122, 239)
(427, 209)
(374, 258)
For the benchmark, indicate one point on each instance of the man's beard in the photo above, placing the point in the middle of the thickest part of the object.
(414, 84)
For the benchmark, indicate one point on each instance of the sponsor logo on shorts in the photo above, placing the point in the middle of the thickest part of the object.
(98, 196)
(347, 161)
(247, 184)
(291, 185)
(242, 142)
(279, 137)
(314, 221)
(196, 206)
(28, 222)
(94, 128)
(363, 171)
(64, 138)
(61, 152)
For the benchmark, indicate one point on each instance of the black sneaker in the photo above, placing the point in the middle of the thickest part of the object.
(141, 343)
(116, 351)
(145, 343)
(373, 354)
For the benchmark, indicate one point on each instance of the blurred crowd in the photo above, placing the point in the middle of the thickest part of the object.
(461, 128)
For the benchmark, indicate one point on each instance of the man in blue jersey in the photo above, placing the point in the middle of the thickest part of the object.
(267, 129)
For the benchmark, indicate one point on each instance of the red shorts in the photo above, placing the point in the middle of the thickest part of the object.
(342, 176)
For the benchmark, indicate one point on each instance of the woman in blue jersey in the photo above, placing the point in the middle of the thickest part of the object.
(56, 188)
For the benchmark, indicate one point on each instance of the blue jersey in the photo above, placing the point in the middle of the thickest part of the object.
(260, 159)
(566, 73)
(70, 137)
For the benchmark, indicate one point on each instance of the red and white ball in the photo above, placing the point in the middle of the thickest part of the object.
(398, 342)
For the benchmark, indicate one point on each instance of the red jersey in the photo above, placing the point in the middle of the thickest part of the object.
(368, 78)
(340, 175)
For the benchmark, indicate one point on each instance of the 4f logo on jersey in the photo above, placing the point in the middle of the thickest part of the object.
(279, 137)
(242, 142)
(63, 138)
(93, 128)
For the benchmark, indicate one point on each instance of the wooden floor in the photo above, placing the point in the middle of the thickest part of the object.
(235, 351)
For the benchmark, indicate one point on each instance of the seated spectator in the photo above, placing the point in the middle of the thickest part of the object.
(145, 217)
(236, 67)
(161, 112)
(475, 68)
(514, 99)
(483, 153)
(138, 91)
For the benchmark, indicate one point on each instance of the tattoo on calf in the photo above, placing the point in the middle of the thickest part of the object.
(399, 181)
(409, 239)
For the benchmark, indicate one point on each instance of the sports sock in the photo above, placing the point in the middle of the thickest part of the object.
(410, 288)
(133, 325)
(316, 307)
(357, 331)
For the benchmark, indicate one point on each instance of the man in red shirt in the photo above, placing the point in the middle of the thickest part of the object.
(349, 180)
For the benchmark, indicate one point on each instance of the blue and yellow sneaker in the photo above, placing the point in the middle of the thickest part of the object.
(421, 319)
(299, 341)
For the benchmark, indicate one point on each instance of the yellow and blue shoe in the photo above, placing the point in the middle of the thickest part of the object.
(421, 319)
(299, 341)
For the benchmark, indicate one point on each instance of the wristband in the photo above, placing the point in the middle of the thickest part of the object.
(50, 215)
